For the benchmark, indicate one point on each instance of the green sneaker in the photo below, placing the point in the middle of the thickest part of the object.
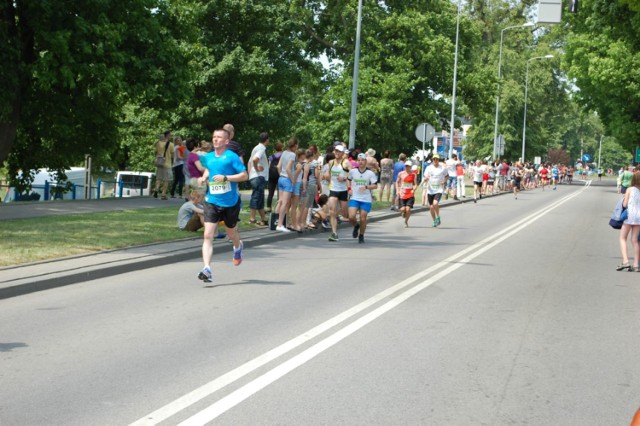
(333, 237)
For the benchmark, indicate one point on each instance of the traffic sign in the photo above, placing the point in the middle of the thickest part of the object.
(586, 158)
(425, 132)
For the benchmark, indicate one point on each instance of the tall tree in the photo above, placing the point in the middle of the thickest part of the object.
(73, 65)
(603, 57)
(406, 68)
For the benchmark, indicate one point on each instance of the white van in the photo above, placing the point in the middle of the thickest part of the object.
(134, 184)
(45, 180)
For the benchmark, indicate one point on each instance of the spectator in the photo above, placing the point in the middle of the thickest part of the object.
(193, 162)
(258, 167)
(386, 175)
(274, 175)
(163, 148)
(191, 213)
(631, 225)
(398, 168)
(233, 144)
(178, 166)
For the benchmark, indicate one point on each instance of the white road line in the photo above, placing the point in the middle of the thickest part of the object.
(244, 392)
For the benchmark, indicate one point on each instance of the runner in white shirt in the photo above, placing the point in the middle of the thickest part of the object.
(478, 171)
(435, 177)
(363, 181)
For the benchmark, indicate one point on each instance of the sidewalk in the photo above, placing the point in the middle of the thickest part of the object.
(37, 276)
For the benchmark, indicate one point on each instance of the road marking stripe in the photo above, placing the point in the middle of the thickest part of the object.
(244, 392)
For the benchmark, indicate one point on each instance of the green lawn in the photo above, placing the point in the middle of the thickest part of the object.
(29, 240)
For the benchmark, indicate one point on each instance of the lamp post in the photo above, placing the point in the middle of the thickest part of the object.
(495, 130)
(455, 80)
(354, 88)
(526, 92)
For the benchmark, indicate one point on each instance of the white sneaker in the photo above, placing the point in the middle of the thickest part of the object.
(282, 229)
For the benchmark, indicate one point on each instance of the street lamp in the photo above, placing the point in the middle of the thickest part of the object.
(495, 131)
(526, 92)
(354, 87)
(455, 80)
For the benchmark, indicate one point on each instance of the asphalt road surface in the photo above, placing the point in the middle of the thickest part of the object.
(510, 312)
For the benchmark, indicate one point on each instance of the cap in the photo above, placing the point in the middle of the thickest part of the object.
(340, 148)
(436, 156)
(362, 156)
(408, 163)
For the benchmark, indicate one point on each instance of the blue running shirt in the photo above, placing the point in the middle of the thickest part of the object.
(222, 194)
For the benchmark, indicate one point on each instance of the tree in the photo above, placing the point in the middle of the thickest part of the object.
(602, 56)
(406, 69)
(74, 63)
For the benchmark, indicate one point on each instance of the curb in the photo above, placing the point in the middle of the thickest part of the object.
(131, 263)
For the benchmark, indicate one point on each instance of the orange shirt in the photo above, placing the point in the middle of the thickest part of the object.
(407, 184)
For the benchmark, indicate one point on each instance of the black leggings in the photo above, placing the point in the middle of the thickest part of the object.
(271, 185)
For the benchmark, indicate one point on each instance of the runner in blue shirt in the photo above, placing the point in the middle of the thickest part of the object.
(223, 171)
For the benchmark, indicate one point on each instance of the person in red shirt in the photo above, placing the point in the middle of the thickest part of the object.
(543, 172)
(406, 185)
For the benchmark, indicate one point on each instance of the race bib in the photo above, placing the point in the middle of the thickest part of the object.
(360, 182)
(406, 185)
(434, 185)
(218, 188)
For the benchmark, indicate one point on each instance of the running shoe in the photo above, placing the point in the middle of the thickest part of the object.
(360, 239)
(237, 255)
(282, 229)
(205, 275)
(333, 237)
(435, 223)
(438, 220)
(356, 230)
(326, 224)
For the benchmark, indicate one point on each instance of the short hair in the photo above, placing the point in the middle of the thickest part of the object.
(195, 193)
(387, 154)
(278, 146)
(322, 199)
(166, 132)
(226, 132)
(264, 136)
(229, 128)
(402, 157)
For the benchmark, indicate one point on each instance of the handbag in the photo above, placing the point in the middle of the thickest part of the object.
(160, 159)
(619, 215)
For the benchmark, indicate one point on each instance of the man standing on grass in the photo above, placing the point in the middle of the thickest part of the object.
(258, 165)
(223, 171)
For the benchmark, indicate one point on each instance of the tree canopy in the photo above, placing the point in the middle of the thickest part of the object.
(106, 77)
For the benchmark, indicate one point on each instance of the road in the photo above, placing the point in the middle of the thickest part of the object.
(511, 312)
